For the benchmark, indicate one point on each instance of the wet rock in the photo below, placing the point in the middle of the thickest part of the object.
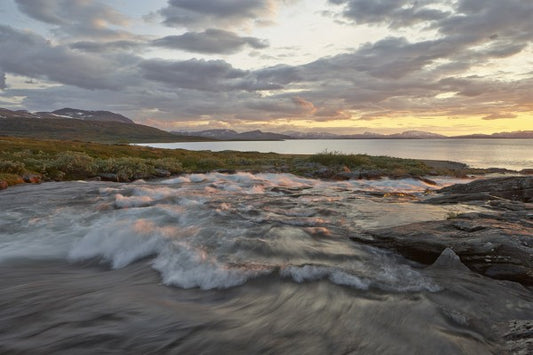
(499, 246)
(449, 260)
(109, 177)
(161, 173)
(371, 174)
(511, 188)
(427, 181)
(32, 178)
(519, 337)
(226, 171)
(3, 185)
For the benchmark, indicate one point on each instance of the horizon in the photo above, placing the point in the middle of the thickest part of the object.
(338, 66)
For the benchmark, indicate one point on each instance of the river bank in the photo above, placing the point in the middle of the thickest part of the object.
(33, 161)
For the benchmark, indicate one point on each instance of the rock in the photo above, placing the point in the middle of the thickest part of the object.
(427, 181)
(109, 177)
(371, 174)
(511, 188)
(526, 171)
(498, 246)
(161, 173)
(459, 198)
(226, 171)
(3, 185)
(449, 260)
(32, 178)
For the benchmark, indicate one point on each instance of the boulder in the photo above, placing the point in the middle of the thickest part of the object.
(32, 178)
(3, 185)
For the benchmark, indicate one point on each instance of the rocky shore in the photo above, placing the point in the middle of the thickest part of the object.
(497, 243)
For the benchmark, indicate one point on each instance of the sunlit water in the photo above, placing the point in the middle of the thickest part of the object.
(236, 263)
(514, 154)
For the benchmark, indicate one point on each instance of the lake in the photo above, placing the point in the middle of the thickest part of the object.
(515, 154)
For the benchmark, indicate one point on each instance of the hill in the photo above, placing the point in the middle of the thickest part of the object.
(88, 131)
(84, 115)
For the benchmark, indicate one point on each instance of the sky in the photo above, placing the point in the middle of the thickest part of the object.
(339, 66)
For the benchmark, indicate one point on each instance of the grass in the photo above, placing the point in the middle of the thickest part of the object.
(55, 160)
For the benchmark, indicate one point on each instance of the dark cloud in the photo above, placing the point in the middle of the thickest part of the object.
(212, 75)
(2, 81)
(79, 18)
(195, 13)
(211, 41)
(31, 55)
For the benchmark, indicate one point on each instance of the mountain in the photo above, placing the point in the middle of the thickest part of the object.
(415, 135)
(44, 126)
(228, 134)
(84, 115)
(70, 113)
(514, 134)
(366, 135)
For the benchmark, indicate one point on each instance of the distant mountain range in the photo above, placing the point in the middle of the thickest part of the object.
(366, 135)
(70, 123)
(228, 134)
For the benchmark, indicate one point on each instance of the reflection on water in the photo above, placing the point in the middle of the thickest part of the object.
(514, 154)
(237, 263)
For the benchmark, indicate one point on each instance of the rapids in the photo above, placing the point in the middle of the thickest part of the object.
(241, 263)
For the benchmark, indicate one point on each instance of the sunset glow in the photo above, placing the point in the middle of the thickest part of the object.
(351, 66)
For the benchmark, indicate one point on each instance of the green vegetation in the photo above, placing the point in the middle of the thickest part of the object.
(52, 160)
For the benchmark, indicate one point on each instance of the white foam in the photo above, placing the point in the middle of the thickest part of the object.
(178, 180)
(122, 201)
(314, 273)
(188, 267)
(119, 243)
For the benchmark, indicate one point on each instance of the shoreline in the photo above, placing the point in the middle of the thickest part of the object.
(33, 161)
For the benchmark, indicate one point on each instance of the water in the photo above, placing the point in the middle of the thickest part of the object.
(235, 264)
(514, 154)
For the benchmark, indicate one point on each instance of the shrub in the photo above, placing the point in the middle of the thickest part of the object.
(126, 169)
(335, 159)
(12, 167)
(73, 165)
(170, 164)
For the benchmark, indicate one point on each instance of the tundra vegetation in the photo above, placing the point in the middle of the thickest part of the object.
(32, 160)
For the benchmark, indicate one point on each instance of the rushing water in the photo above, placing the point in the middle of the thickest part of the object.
(514, 154)
(236, 263)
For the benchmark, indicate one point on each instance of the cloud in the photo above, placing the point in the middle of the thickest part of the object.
(28, 54)
(79, 18)
(449, 73)
(394, 13)
(211, 41)
(499, 115)
(204, 75)
(2, 81)
(106, 47)
(227, 13)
